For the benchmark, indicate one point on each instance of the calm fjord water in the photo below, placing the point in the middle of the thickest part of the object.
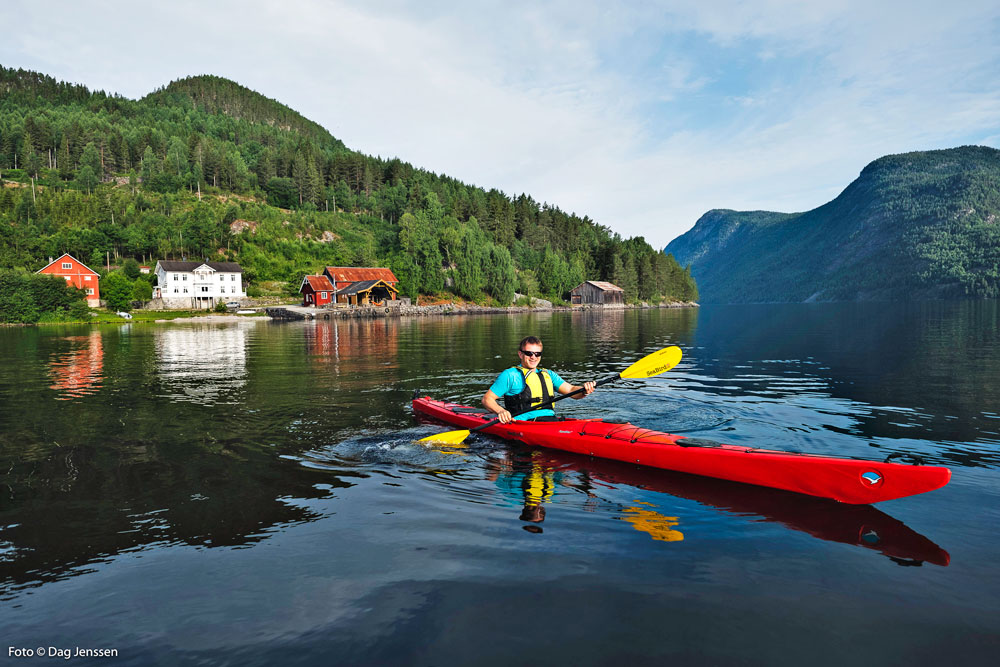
(250, 493)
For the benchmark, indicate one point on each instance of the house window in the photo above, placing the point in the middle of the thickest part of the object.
(221, 277)
(90, 290)
(184, 277)
(67, 278)
(176, 277)
(223, 289)
(86, 277)
(185, 290)
(175, 290)
(67, 265)
(232, 277)
(322, 295)
(204, 289)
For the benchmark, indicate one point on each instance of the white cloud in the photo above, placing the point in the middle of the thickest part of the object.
(642, 117)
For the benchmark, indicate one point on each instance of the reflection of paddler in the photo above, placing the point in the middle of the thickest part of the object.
(658, 526)
(537, 485)
(531, 483)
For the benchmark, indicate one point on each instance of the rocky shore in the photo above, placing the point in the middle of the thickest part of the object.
(473, 309)
(445, 309)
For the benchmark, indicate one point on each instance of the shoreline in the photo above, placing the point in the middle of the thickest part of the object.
(473, 309)
(299, 312)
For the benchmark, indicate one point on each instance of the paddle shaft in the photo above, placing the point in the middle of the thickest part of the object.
(545, 404)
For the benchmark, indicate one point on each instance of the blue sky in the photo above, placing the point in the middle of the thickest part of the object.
(642, 116)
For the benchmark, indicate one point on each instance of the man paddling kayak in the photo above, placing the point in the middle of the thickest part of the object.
(527, 385)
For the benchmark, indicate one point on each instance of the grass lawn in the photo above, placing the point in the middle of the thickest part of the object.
(105, 317)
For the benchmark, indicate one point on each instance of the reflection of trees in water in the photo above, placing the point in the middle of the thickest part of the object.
(160, 459)
(86, 504)
(79, 372)
(201, 363)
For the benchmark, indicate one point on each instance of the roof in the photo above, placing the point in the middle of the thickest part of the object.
(59, 259)
(601, 285)
(362, 286)
(351, 274)
(317, 283)
(226, 267)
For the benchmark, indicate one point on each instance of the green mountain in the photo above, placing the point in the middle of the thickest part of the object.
(214, 95)
(206, 168)
(912, 226)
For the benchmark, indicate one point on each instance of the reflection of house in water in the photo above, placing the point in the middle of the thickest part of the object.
(78, 373)
(202, 362)
(360, 340)
(605, 325)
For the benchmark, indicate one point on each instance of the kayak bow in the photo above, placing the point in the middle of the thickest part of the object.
(852, 481)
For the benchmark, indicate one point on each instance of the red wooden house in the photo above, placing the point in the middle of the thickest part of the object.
(362, 285)
(316, 290)
(76, 274)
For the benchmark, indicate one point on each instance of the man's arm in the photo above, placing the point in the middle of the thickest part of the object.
(566, 388)
(490, 403)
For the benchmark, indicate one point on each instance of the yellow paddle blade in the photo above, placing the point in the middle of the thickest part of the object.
(452, 438)
(658, 362)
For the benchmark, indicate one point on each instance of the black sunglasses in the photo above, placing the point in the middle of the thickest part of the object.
(531, 354)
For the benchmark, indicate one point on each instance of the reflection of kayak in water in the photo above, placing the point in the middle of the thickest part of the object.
(861, 525)
(846, 480)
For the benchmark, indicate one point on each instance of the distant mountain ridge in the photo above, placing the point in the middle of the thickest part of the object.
(911, 226)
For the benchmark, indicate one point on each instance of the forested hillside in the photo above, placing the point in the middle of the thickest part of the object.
(205, 168)
(912, 226)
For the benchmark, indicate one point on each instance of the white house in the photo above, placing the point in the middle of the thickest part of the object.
(198, 284)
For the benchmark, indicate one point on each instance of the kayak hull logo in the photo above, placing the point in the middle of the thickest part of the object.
(871, 479)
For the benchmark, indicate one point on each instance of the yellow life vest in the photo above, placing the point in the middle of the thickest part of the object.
(537, 389)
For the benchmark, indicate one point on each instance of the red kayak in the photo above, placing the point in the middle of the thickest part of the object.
(852, 481)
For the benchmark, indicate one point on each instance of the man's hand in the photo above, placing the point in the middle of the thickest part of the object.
(567, 388)
(490, 403)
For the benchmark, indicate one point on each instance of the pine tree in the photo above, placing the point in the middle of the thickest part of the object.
(177, 156)
(63, 160)
(500, 275)
(33, 164)
(91, 158)
(150, 167)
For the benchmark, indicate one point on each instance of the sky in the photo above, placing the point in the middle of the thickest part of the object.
(640, 115)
